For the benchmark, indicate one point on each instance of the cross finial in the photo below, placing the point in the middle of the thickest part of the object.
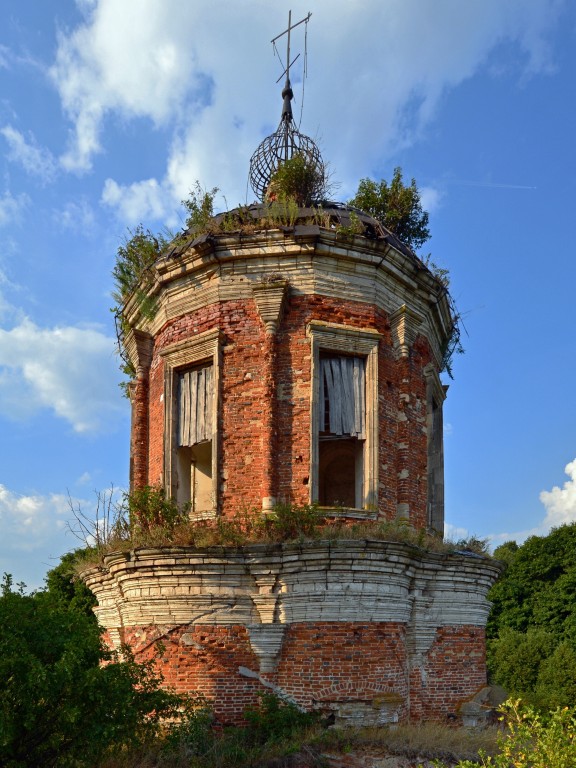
(287, 93)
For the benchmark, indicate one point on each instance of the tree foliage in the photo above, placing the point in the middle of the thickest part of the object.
(532, 626)
(538, 588)
(199, 206)
(397, 206)
(135, 256)
(67, 590)
(59, 706)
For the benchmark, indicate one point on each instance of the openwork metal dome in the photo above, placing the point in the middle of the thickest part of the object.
(282, 145)
(287, 142)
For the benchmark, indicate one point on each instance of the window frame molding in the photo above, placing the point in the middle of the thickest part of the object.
(359, 342)
(204, 348)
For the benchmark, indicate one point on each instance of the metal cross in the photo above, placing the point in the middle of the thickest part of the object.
(287, 31)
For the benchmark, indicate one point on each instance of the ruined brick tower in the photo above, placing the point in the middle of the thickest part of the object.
(298, 361)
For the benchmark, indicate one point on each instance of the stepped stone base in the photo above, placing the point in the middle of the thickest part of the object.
(369, 632)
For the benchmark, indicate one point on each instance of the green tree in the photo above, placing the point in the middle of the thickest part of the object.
(516, 658)
(397, 206)
(538, 588)
(134, 258)
(532, 625)
(59, 706)
(67, 590)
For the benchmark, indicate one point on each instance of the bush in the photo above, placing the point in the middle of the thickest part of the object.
(199, 206)
(397, 206)
(150, 508)
(275, 720)
(514, 659)
(300, 178)
(531, 741)
(59, 706)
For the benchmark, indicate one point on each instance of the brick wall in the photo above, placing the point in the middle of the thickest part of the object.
(365, 630)
(369, 631)
(244, 414)
(454, 670)
(322, 666)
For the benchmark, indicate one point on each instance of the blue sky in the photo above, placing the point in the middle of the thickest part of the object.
(110, 110)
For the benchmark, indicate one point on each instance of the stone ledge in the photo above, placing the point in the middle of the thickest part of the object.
(329, 581)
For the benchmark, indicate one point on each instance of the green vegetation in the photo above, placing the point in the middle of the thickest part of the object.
(397, 206)
(297, 183)
(58, 706)
(531, 741)
(132, 273)
(532, 626)
(147, 518)
(299, 179)
(199, 206)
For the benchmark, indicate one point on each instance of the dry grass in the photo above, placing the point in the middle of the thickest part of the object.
(431, 741)
(422, 741)
(287, 524)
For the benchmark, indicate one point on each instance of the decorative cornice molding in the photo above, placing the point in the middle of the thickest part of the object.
(228, 268)
(368, 581)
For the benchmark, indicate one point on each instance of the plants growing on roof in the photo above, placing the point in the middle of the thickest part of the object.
(397, 206)
(200, 207)
(134, 258)
(297, 182)
(300, 179)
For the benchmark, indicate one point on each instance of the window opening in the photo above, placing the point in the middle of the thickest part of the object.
(342, 431)
(194, 447)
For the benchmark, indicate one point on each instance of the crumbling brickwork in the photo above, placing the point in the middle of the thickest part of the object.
(300, 331)
(356, 629)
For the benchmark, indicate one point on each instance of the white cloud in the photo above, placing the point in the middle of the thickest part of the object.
(27, 521)
(4, 56)
(135, 202)
(69, 370)
(38, 529)
(37, 161)
(11, 207)
(77, 217)
(455, 533)
(212, 88)
(135, 57)
(430, 198)
(560, 506)
(560, 503)
(84, 479)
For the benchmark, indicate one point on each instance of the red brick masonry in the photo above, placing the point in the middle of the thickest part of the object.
(377, 645)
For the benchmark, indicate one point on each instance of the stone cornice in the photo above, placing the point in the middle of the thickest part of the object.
(368, 581)
(227, 267)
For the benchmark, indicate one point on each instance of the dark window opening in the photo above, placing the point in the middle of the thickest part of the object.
(342, 425)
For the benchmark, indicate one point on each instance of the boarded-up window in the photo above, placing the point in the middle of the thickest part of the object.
(343, 401)
(195, 398)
